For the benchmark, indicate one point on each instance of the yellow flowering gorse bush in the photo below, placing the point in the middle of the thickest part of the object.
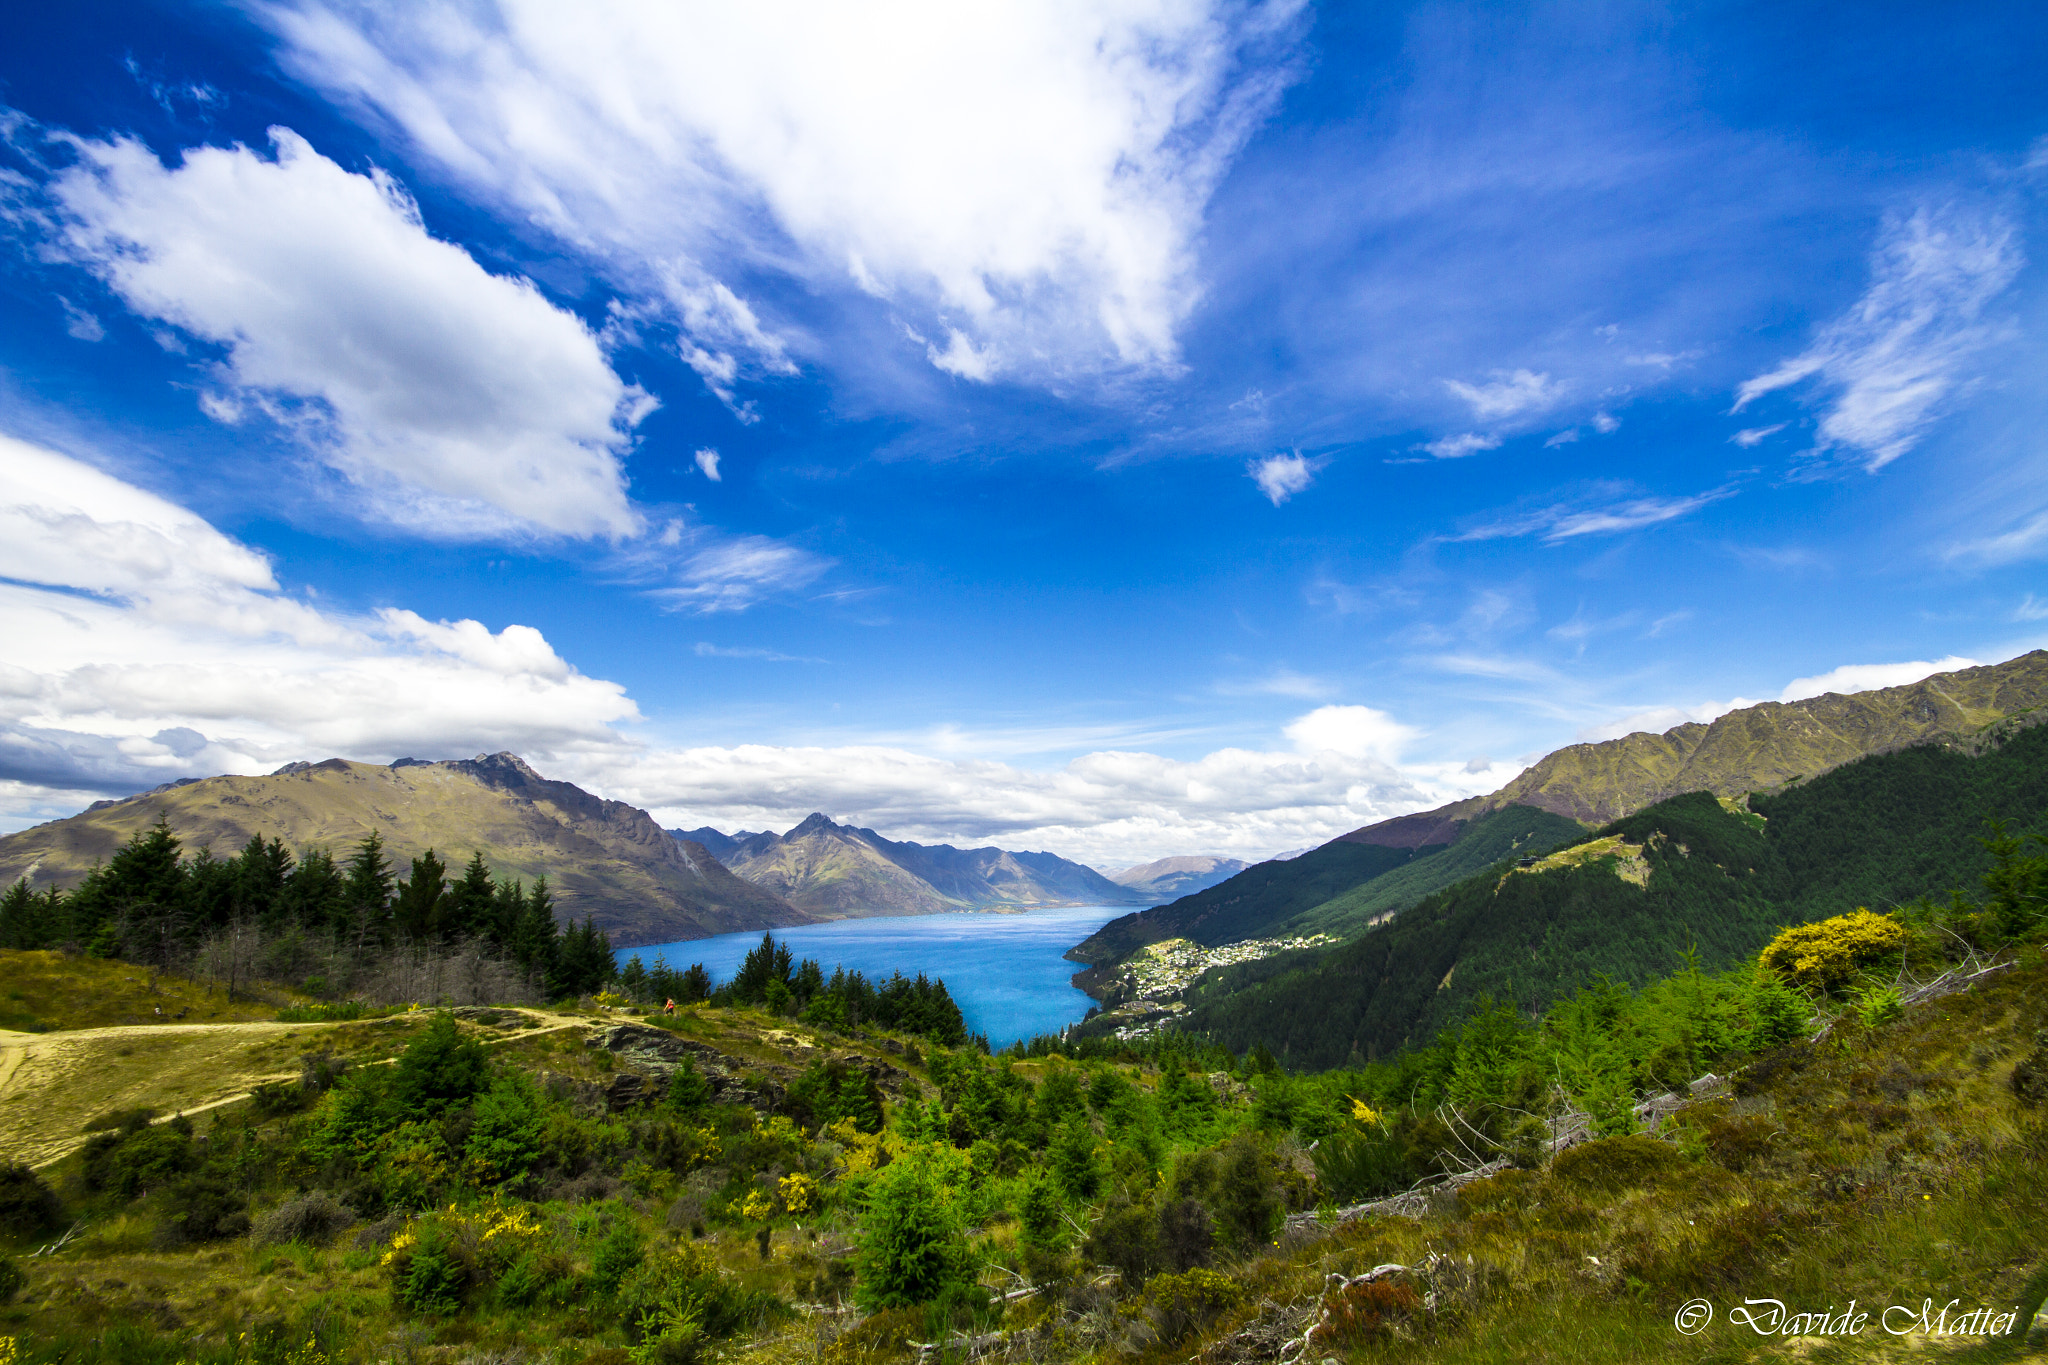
(1827, 955)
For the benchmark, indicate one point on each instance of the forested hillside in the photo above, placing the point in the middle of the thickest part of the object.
(1629, 900)
(1515, 831)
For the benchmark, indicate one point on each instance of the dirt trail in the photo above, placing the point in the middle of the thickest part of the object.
(52, 1084)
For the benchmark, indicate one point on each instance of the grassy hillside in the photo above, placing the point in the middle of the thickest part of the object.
(1514, 831)
(1686, 872)
(1762, 747)
(604, 859)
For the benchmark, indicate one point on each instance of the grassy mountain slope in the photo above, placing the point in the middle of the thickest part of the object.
(1626, 902)
(1506, 833)
(830, 869)
(1248, 905)
(1757, 748)
(604, 859)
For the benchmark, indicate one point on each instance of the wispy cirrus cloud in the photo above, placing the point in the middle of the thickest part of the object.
(707, 650)
(1459, 446)
(1508, 394)
(1025, 183)
(1603, 513)
(1896, 359)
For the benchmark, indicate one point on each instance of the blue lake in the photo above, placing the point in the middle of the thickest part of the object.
(1004, 971)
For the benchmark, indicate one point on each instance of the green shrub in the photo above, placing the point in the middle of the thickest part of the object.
(911, 1249)
(617, 1256)
(12, 1278)
(27, 1204)
(829, 1091)
(131, 1161)
(1612, 1165)
(689, 1093)
(1362, 1164)
(505, 1131)
(429, 1275)
(1182, 1303)
(202, 1208)
(439, 1070)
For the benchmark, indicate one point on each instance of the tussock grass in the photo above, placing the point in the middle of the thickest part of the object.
(41, 992)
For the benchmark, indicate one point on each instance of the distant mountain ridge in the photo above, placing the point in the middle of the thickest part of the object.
(605, 860)
(1756, 748)
(1168, 879)
(832, 870)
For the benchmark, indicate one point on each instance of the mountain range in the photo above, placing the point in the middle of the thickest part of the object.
(605, 860)
(833, 871)
(1360, 878)
(1165, 879)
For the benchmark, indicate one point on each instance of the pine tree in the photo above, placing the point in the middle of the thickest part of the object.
(466, 913)
(366, 891)
(418, 909)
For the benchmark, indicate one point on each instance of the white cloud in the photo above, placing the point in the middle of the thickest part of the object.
(1458, 447)
(145, 645)
(1606, 423)
(1625, 516)
(1510, 393)
(1100, 808)
(1280, 477)
(1848, 678)
(733, 574)
(1567, 522)
(80, 324)
(1023, 179)
(707, 650)
(1893, 360)
(707, 460)
(1750, 437)
(2022, 542)
(395, 356)
(1867, 677)
(1354, 731)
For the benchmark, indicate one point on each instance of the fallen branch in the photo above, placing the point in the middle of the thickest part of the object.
(58, 1245)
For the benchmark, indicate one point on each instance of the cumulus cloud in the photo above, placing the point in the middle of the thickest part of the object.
(145, 645)
(1894, 359)
(1098, 808)
(395, 356)
(1280, 477)
(707, 461)
(1508, 393)
(1024, 180)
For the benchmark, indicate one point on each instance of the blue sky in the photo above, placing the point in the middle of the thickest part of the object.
(1125, 429)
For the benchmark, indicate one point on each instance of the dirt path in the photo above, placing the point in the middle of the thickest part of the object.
(53, 1084)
